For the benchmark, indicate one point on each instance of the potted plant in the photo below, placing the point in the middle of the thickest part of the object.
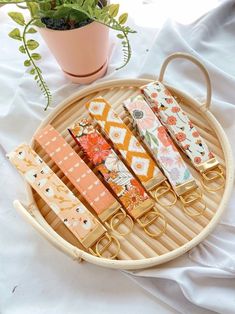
(76, 32)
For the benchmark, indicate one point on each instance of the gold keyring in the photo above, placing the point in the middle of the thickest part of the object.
(111, 239)
(150, 220)
(120, 217)
(206, 180)
(190, 199)
(163, 190)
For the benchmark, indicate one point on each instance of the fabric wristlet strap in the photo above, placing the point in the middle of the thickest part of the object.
(129, 191)
(132, 151)
(184, 133)
(80, 175)
(77, 218)
(156, 138)
(115, 173)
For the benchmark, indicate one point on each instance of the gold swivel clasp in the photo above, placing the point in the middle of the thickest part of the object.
(193, 200)
(162, 191)
(213, 180)
(147, 221)
(121, 220)
(106, 247)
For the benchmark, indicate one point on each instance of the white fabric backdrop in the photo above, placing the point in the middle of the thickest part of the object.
(36, 277)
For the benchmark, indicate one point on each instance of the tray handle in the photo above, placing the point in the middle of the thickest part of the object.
(194, 60)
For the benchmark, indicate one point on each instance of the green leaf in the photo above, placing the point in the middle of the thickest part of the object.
(32, 71)
(27, 63)
(32, 30)
(90, 11)
(15, 34)
(120, 36)
(36, 56)
(60, 12)
(45, 6)
(39, 23)
(32, 44)
(22, 49)
(89, 3)
(113, 9)
(33, 8)
(76, 7)
(123, 18)
(17, 17)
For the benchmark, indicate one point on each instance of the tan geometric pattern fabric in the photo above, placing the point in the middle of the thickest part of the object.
(123, 140)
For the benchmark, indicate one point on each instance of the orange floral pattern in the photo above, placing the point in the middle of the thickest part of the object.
(177, 123)
(110, 166)
(158, 141)
(171, 120)
(96, 147)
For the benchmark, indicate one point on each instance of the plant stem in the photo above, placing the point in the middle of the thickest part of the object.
(128, 52)
(44, 86)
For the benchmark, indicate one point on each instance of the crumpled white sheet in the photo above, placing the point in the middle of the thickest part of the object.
(31, 271)
(205, 277)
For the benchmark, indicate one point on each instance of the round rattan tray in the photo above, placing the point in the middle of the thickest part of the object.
(137, 249)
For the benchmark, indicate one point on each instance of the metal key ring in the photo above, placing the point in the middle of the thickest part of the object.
(118, 219)
(99, 251)
(190, 199)
(161, 191)
(148, 219)
(215, 175)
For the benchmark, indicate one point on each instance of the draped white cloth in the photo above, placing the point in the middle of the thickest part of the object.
(35, 277)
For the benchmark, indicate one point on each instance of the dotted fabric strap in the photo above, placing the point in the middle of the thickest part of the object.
(81, 176)
(113, 170)
(123, 140)
(177, 122)
(53, 191)
(158, 141)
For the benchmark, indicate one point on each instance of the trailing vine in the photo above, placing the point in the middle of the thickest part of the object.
(112, 23)
(26, 47)
(36, 71)
(65, 15)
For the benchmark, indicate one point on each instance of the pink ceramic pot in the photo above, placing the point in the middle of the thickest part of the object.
(82, 53)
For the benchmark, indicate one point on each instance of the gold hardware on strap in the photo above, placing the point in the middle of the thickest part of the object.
(102, 246)
(186, 187)
(148, 219)
(191, 199)
(119, 219)
(213, 176)
(161, 191)
(109, 212)
(210, 164)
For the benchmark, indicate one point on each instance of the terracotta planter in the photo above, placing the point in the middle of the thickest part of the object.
(82, 53)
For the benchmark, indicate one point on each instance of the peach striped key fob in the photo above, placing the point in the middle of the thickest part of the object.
(82, 177)
(77, 218)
